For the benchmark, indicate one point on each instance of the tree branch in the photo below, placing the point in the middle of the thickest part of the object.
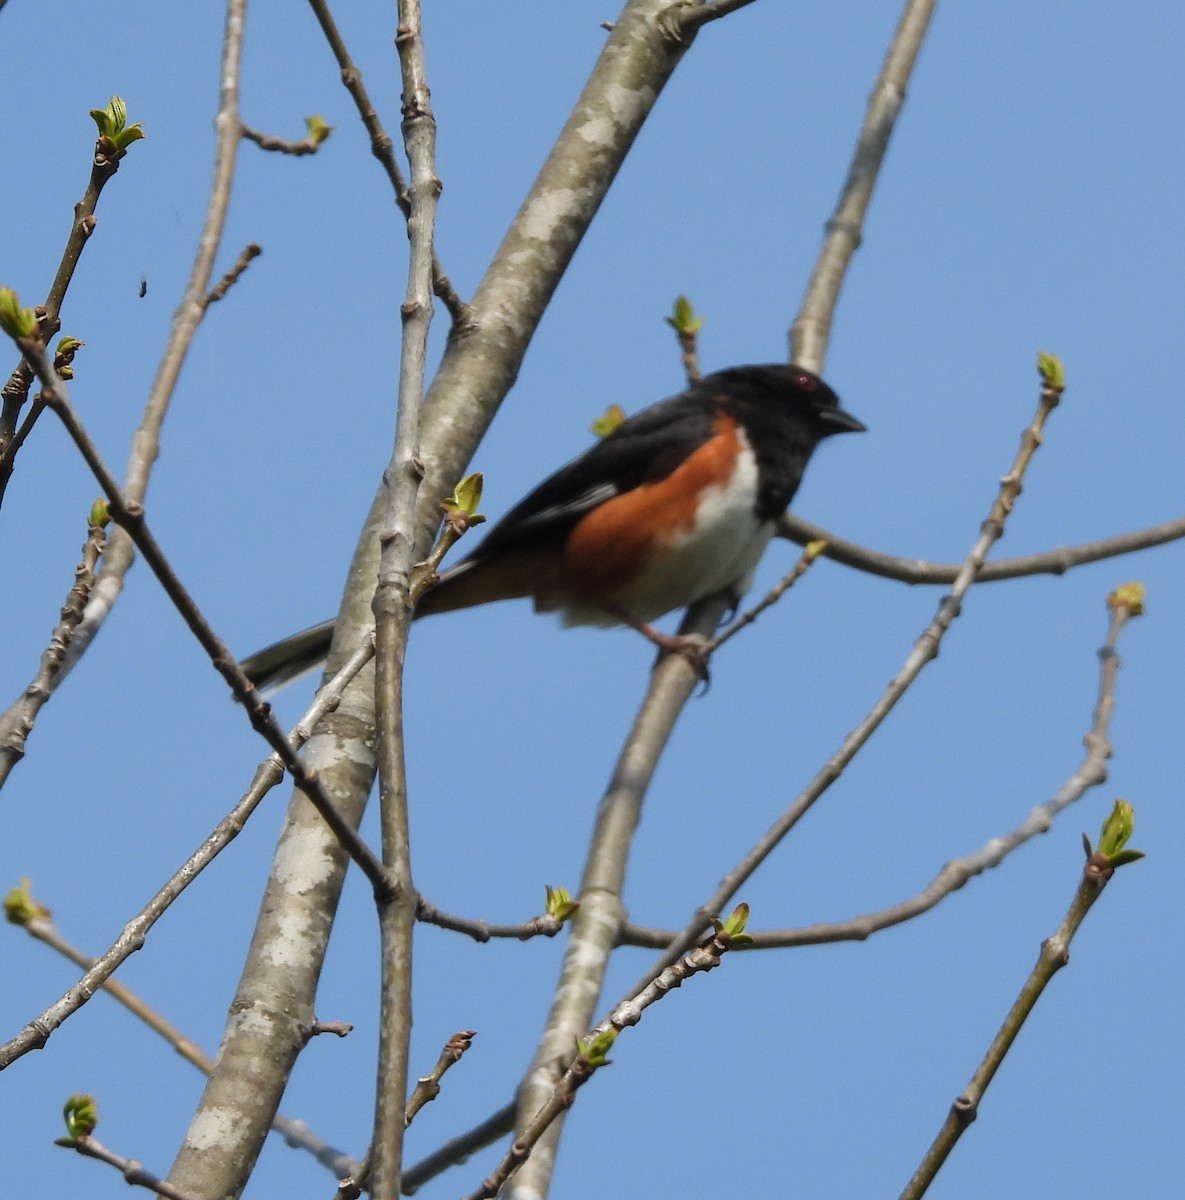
(393, 610)
(810, 330)
(17, 722)
(297, 1135)
(1090, 772)
(269, 773)
(146, 440)
(1055, 954)
(381, 148)
(917, 570)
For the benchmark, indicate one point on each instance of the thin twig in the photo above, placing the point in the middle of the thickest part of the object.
(457, 1150)
(917, 570)
(145, 444)
(428, 1086)
(16, 390)
(219, 290)
(591, 1055)
(297, 147)
(811, 328)
(269, 773)
(1090, 773)
(482, 931)
(129, 516)
(770, 598)
(381, 148)
(133, 1173)
(1055, 954)
(17, 722)
(426, 1090)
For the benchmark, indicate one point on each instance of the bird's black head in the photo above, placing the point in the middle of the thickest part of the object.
(788, 388)
(785, 411)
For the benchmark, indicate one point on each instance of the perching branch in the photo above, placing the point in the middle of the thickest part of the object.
(475, 373)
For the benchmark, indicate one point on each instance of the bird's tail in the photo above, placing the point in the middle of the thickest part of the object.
(290, 657)
(469, 583)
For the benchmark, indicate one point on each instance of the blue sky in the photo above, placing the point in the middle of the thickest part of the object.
(1029, 201)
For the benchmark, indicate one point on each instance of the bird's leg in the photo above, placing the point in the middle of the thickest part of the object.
(691, 648)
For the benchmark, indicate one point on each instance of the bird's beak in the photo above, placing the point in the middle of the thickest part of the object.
(835, 420)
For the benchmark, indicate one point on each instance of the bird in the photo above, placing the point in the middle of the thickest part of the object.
(674, 505)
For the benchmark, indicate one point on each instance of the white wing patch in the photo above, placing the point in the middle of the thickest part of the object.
(585, 502)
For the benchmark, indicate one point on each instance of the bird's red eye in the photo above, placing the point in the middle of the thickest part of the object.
(805, 382)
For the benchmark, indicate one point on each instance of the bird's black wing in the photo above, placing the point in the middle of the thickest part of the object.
(644, 448)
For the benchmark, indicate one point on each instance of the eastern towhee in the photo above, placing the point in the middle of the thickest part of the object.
(676, 504)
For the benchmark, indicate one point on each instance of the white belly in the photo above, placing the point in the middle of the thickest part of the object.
(718, 553)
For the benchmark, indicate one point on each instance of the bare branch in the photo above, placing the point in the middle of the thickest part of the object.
(297, 147)
(428, 1086)
(426, 1090)
(457, 1150)
(916, 570)
(104, 164)
(17, 722)
(270, 772)
(393, 612)
(250, 251)
(129, 516)
(475, 373)
(591, 1055)
(381, 148)
(771, 597)
(710, 10)
(1055, 954)
(297, 1135)
(483, 931)
(1090, 772)
(595, 925)
(811, 328)
(145, 445)
(132, 1172)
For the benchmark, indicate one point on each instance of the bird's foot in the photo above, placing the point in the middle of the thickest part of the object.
(694, 649)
